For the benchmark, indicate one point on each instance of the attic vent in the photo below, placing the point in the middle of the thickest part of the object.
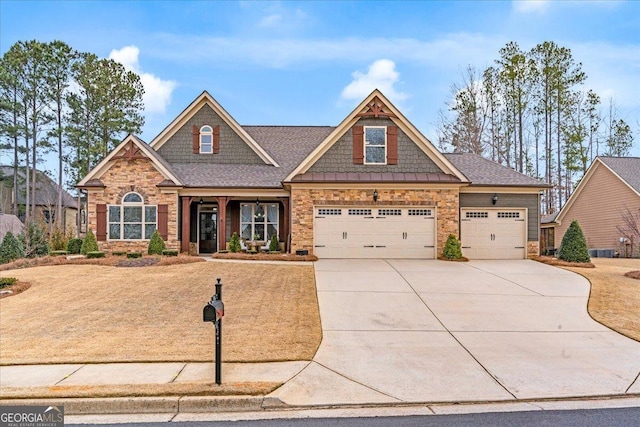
(476, 215)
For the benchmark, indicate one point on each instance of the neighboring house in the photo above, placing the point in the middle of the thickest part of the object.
(371, 187)
(46, 199)
(610, 186)
(10, 223)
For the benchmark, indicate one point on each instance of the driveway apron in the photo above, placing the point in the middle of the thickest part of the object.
(432, 331)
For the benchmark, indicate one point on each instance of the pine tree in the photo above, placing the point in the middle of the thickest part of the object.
(574, 246)
(89, 244)
(11, 248)
(156, 244)
(234, 243)
(452, 248)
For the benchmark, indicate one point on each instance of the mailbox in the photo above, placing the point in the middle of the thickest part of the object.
(209, 314)
(218, 306)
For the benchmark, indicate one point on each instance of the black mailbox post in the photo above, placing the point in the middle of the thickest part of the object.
(213, 312)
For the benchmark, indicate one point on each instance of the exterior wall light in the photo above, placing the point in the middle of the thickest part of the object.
(494, 199)
(375, 195)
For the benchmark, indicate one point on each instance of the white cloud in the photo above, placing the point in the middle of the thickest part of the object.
(270, 21)
(381, 75)
(529, 6)
(157, 92)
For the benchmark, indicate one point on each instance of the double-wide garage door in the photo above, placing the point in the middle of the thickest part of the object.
(374, 232)
(493, 233)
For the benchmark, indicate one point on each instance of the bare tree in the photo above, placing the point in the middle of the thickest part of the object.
(630, 228)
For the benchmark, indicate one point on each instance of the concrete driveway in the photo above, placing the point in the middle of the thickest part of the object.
(433, 331)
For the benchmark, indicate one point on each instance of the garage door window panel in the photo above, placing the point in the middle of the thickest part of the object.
(375, 145)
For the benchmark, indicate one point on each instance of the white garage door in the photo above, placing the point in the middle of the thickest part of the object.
(493, 233)
(374, 232)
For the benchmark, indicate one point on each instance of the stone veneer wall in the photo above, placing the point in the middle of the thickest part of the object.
(533, 249)
(303, 201)
(142, 177)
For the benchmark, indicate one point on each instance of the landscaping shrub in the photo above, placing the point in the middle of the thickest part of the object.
(574, 246)
(234, 243)
(74, 245)
(452, 248)
(34, 239)
(11, 248)
(170, 252)
(274, 245)
(119, 253)
(95, 254)
(89, 244)
(57, 240)
(57, 253)
(134, 255)
(7, 281)
(156, 244)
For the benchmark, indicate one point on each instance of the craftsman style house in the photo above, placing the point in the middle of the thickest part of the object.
(371, 187)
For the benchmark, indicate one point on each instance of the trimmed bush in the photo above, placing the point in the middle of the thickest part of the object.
(274, 245)
(7, 281)
(234, 243)
(452, 248)
(95, 254)
(156, 244)
(58, 253)
(134, 255)
(11, 248)
(574, 246)
(170, 252)
(89, 244)
(74, 245)
(119, 253)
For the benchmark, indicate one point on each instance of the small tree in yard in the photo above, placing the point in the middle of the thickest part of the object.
(11, 248)
(57, 240)
(34, 239)
(574, 246)
(452, 248)
(156, 244)
(234, 243)
(89, 244)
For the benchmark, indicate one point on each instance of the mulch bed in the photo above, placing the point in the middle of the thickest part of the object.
(559, 263)
(264, 256)
(109, 260)
(14, 289)
(633, 274)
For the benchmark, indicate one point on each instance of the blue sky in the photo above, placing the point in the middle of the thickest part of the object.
(310, 63)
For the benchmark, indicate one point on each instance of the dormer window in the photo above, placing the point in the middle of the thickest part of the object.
(375, 145)
(206, 140)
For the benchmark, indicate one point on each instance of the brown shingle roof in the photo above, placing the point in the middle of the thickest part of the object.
(375, 177)
(627, 168)
(484, 172)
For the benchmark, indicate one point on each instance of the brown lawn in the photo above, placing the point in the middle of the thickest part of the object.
(615, 299)
(92, 314)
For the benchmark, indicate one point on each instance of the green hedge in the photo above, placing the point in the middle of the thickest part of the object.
(74, 246)
(58, 253)
(134, 255)
(95, 254)
(170, 252)
(119, 253)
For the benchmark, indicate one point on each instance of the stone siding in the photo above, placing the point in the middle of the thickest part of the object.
(233, 150)
(339, 158)
(304, 200)
(139, 176)
(533, 249)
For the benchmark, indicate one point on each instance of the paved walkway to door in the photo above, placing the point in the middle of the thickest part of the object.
(433, 331)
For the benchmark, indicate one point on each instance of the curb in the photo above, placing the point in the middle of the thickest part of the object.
(155, 405)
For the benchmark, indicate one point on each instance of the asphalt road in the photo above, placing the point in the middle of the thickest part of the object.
(619, 417)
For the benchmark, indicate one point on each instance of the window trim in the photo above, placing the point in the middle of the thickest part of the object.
(209, 133)
(121, 222)
(365, 145)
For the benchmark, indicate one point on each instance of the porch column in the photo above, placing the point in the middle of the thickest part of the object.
(186, 224)
(285, 224)
(222, 222)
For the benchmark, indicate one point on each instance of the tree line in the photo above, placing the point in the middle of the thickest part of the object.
(530, 112)
(56, 99)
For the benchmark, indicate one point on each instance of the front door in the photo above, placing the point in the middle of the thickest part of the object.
(208, 232)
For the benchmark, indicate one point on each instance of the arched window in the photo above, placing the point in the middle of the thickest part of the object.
(206, 139)
(132, 219)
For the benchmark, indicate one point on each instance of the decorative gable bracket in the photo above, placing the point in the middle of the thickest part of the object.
(130, 152)
(376, 108)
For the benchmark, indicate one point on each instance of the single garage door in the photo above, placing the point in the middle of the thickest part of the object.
(374, 232)
(493, 233)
